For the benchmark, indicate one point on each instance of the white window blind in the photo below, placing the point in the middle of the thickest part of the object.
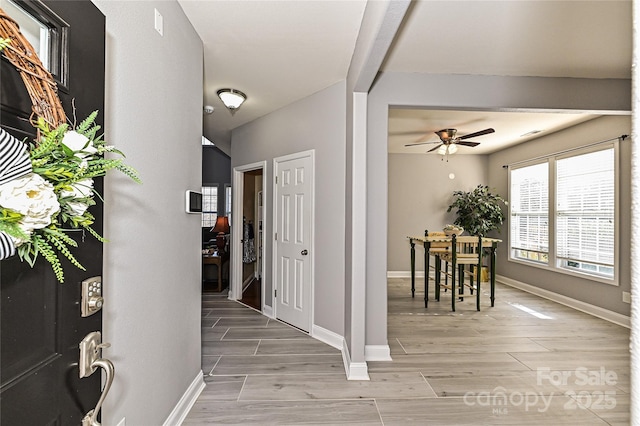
(529, 209)
(585, 213)
(209, 206)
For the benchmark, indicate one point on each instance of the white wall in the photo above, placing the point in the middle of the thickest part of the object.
(152, 261)
(316, 122)
(420, 191)
(603, 295)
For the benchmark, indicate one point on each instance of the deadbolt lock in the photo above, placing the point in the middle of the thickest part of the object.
(92, 300)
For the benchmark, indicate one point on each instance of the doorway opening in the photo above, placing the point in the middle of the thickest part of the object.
(248, 231)
(252, 238)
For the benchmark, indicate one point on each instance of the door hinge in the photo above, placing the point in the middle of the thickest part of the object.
(276, 180)
(276, 236)
(275, 294)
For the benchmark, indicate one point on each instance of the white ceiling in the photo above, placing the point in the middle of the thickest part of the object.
(275, 52)
(408, 126)
(280, 51)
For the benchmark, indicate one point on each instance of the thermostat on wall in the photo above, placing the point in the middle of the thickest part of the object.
(193, 202)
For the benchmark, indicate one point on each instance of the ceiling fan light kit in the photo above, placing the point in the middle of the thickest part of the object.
(447, 149)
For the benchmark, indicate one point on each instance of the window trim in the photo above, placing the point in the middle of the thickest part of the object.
(227, 198)
(58, 64)
(552, 265)
(509, 256)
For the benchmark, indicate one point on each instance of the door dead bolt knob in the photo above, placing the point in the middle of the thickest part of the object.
(95, 302)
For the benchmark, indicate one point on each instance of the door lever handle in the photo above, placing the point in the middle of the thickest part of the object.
(90, 360)
(91, 418)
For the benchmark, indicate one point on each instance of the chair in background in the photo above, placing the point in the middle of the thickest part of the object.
(462, 251)
(436, 249)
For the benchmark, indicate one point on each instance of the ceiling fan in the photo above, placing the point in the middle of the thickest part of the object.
(449, 140)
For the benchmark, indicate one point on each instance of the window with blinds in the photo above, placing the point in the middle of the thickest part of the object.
(585, 213)
(529, 208)
(576, 232)
(209, 206)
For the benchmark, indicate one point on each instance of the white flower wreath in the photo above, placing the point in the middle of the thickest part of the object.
(46, 190)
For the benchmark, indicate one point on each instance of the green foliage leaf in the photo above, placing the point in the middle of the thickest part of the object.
(478, 211)
(87, 122)
(64, 168)
(4, 42)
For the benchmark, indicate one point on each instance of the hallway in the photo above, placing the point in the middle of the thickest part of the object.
(525, 361)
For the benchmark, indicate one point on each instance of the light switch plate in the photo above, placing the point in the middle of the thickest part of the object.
(626, 297)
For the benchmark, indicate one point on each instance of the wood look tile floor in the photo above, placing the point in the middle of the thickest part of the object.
(526, 361)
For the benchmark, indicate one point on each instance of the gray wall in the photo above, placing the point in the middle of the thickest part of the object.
(152, 260)
(603, 295)
(316, 122)
(461, 92)
(419, 193)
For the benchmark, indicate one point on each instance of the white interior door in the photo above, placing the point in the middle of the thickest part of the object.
(294, 239)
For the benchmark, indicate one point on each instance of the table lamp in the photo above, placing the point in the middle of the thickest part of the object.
(222, 228)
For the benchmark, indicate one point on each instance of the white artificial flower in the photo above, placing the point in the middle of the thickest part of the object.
(79, 144)
(76, 208)
(80, 189)
(33, 197)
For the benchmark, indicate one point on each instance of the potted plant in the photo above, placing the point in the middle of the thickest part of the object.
(479, 211)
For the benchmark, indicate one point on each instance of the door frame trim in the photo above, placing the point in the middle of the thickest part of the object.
(237, 197)
(311, 153)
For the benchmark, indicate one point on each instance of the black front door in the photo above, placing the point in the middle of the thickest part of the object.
(40, 320)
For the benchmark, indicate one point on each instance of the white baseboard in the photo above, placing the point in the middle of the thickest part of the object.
(596, 311)
(377, 353)
(267, 311)
(327, 336)
(419, 274)
(358, 371)
(180, 411)
(354, 370)
(404, 274)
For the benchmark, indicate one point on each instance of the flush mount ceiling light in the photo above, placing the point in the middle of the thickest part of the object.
(232, 98)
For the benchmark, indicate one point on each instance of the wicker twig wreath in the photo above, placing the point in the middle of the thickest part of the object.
(39, 82)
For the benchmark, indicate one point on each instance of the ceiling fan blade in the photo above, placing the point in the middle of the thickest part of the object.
(467, 143)
(421, 143)
(480, 133)
(433, 149)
